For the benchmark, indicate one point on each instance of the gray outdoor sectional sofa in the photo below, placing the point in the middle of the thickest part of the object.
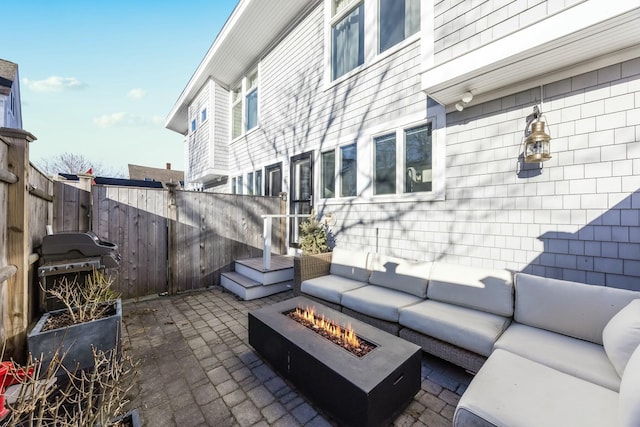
(547, 352)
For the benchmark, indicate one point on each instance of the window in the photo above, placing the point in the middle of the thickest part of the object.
(244, 105)
(234, 189)
(418, 159)
(250, 183)
(203, 115)
(385, 164)
(359, 30)
(399, 19)
(348, 170)
(236, 112)
(259, 183)
(328, 180)
(193, 125)
(252, 101)
(347, 34)
(240, 184)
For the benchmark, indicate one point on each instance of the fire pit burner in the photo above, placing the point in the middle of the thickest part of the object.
(365, 391)
(343, 336)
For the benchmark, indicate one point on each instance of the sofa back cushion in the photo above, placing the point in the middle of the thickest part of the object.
(400, 274)
(621, 336)
(629, 399)
(488, 290)
(351, 264)
(569, 308)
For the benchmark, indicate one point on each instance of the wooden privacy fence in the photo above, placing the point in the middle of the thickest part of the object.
(175, 241)
(25, 210)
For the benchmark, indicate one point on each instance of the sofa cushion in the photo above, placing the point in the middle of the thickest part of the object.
(569, 308)
(330, 287)
(378, 301)
(510, 390)
(470, 329)
(489, 290)
(350, 264)
(400, 274)
(621, 336)
(582, 359)
(629, 401)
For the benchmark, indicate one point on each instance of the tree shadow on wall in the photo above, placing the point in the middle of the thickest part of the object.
(605, 251)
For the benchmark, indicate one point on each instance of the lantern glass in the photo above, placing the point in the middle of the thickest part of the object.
(537, 145)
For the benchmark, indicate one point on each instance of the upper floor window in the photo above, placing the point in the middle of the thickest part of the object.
(399, 19)
(236, 112)
(244, 105)
(347, 35)
(203, 115)
(354, 37)
(194, 125)
(251, 98)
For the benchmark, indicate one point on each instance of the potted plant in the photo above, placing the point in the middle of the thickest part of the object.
(91, 319)
(315, 259)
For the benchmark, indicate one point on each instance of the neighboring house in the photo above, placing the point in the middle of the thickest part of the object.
(406, 120)
(10, 105)
(145, 173)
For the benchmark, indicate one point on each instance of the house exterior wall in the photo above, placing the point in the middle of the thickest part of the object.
(299, 111)
(11, 105)
(199, 147)
(577, 219)
(461, 26)
(219, 126)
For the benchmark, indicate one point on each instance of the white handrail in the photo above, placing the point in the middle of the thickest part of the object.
(266, 237)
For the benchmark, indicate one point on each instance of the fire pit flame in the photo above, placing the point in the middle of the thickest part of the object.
(348, 336)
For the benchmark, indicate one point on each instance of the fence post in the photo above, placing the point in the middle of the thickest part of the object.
(85, 222)
(15, 317)
(172, 249)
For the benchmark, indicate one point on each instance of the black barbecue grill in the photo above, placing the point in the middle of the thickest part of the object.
(74, 256)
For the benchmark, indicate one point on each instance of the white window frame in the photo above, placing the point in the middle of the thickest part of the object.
(372, 52)
(244, 91)
(204, 115)
(366, 161)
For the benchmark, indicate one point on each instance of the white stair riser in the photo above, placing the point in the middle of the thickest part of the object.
(254, 292)
(268, 278)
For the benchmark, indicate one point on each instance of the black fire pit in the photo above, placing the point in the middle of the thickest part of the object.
(356, 391)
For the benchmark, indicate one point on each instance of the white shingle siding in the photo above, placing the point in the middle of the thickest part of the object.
(298, 111)
(220, 127)
(578, 219)
(461, 26)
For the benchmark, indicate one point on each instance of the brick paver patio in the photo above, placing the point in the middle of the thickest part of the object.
(197, 369)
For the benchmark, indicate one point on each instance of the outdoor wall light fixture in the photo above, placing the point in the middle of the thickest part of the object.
(466, 98)
(537, 145)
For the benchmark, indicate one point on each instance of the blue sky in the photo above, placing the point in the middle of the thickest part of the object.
(98, 78)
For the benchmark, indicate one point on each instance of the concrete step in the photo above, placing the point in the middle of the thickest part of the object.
(248, 289)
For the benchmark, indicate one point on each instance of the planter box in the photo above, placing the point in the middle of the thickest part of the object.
(74, 342)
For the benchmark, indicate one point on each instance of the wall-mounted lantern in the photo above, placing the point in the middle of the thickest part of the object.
(537, 145)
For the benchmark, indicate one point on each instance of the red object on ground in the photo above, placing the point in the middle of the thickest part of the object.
(10, 375)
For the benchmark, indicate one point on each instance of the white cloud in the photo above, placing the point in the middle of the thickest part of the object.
(136, 93)
(121, 119)
(54, 84)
